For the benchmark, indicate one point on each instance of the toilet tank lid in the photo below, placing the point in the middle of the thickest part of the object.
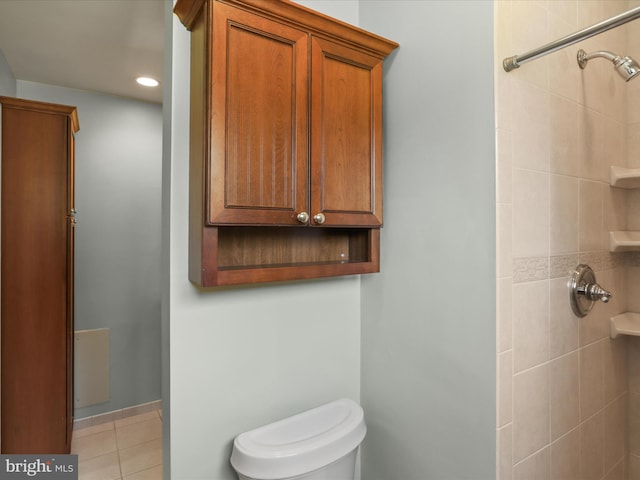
(301, 443)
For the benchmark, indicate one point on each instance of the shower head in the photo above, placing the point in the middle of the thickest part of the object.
(626, 67)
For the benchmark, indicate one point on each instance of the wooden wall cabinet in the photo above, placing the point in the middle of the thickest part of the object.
(36, 370)
(286, 143)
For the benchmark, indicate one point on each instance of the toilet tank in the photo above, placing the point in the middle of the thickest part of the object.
(324, 437)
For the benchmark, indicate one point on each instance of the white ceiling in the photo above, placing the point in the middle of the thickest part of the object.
(97, 45)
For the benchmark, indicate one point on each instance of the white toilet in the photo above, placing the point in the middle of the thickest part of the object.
(319, 444)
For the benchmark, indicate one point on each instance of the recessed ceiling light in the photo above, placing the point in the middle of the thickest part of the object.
(147, 81)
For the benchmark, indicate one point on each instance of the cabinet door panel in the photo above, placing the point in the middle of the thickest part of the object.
(346, 125)
(35, 289)
(259, 126)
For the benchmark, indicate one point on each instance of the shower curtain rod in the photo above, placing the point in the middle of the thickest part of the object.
(511, 63)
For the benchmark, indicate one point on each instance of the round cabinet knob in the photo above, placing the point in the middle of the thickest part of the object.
(319, 218)
(303, 217)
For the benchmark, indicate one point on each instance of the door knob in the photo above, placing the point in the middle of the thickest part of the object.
(303, 217)
(319, 218)
(584, 291)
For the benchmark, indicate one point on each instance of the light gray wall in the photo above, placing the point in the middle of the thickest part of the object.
(168, 72)
(117, 249)
(428, 320)
(7, 79)
(242, 357)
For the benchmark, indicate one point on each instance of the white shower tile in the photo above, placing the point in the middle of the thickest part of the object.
(615, 368)
(565, 12)
(504, 166)
(633, 279)
(564, 326)
(593, 153)
(564, 136)
(563, 75)
(504, 106)
(614, 280)
(530, 213)
(530, 29)
(504, 314)
(564, 78)
(530, 324)
(615, 206)
(633, 108)
(530, 126)
(565, 456)
(589, 12)
(537, 466)
(568, 127)
(591, 381)
(530, 412)
(617, 472)
(592, 234)
(633, 34)
(504, 240)
(614, 432)
(615, 144)
(595, 326)
(598, 82)
(634, 422)
(505, 453)
(530, 269)
(633, 209)
(503, 25)
(614, 7)
(633, 144)
(505, 388)
(564, 394)
(564, 214)
(634, 467)
(591, 451)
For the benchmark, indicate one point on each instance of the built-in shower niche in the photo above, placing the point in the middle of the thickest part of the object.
(627, 323)
(628, 178)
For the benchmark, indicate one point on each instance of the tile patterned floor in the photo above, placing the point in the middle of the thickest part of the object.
(125, 449)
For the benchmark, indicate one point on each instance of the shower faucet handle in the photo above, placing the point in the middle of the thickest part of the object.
(584, 291)
(594, 292)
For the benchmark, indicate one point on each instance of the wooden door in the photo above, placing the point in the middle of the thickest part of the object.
(71, 225)
(346, 135)
(258, 159)
(35, 285)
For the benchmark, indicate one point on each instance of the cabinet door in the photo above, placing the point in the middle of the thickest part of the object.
(71, 224)
(258, 159)
(35, 292)
(346, 135)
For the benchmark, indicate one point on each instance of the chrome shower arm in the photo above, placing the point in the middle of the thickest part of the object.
(626, 67)
(511, 63)
(584, 57)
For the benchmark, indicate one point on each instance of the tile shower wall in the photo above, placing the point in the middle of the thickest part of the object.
(562, 383)
(633, 264)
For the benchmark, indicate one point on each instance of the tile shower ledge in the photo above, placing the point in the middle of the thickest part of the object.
(624, 241)
(627, 323)
(621, 177)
